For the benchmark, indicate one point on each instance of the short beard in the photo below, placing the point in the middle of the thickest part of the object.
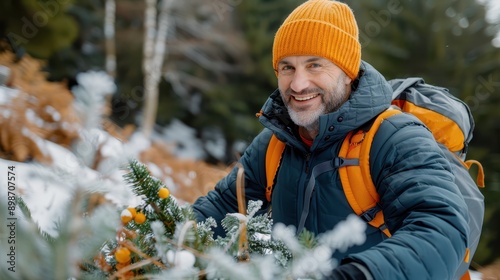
(311, 121)
(332, 101)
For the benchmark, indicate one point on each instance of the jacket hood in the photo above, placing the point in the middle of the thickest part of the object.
(371, 96)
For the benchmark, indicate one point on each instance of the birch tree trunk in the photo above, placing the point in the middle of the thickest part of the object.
(109, 35)
(155, 35)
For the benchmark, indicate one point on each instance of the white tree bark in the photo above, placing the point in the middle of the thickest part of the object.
(109, 35)
(149, 34)
(206, 36)
(155, 35)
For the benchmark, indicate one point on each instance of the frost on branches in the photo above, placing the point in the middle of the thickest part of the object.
(169, 244)
(159, 239)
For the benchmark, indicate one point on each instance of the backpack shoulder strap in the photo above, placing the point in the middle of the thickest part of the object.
(273, 157)
(356, 179)
(363, 200)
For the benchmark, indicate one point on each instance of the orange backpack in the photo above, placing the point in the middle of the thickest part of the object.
(451, 123)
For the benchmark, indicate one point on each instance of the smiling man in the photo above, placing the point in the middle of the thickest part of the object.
(324, 92)
(311, 86)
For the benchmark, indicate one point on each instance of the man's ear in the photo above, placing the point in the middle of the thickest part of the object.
(347, 80)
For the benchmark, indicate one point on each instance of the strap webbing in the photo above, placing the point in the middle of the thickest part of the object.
(356, 180)
(316, 171)
(273, 157)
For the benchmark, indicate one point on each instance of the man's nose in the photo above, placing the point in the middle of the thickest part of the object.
(300, 81)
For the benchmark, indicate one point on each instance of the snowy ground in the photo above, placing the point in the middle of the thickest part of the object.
(47, 188)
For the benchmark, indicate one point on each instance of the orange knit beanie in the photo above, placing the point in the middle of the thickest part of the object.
(320, 28)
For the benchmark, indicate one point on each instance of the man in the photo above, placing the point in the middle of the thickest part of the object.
(324, 92)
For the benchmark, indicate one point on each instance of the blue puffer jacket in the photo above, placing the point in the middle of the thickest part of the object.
(422, 206)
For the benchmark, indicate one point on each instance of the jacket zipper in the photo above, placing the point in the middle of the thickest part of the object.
(308, 157)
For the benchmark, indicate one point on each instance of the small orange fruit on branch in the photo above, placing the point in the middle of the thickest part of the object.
(163, 193)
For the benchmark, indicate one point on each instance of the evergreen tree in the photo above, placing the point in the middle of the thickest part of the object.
(40, 27)
(86, 51)
(38, 255)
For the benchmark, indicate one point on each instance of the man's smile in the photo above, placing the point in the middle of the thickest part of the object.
(305, 97)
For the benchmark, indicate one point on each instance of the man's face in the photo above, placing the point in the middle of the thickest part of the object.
(310, 87)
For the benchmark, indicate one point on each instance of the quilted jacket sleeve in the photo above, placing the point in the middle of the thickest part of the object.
(222, 200)
(422, 205)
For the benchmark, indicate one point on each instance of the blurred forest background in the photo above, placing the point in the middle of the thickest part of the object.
(217, 71)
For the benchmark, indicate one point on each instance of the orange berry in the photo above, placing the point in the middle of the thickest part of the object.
(122, 255)
(163, 193)
(132, 210)
(126, 216)
(139, 218)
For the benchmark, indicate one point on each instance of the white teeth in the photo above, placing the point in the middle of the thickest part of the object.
(305, 98)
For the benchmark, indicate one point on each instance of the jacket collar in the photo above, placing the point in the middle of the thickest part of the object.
(371, 96)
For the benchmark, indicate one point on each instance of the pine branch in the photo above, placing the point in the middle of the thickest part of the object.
(27, 214)
(142, 183)
(150, 248)
(168, 243)
(165, 210)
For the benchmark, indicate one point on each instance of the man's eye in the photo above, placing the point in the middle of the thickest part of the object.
(314, 65)
(287, 69)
